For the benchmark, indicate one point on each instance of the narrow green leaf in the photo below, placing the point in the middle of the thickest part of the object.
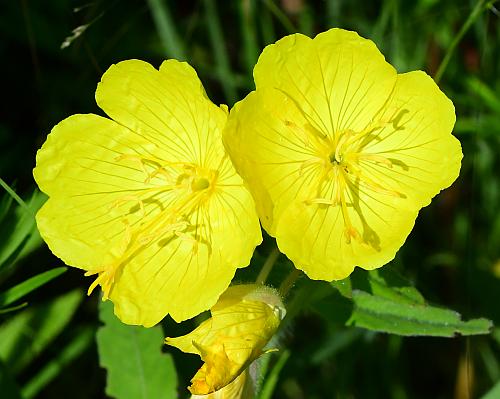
(266, 26)
(334, 343)
(31, 284)
(222, 65)
(411, 319)
(483, 125)
(13, 308)
(489, 96)
(273, 377)
(165, 26)
(137, 369)
(479, 8)
(16, 197)
(306, 294)
(20, 231)
(26, 335)
(280, 16)
(56, 366)
(5, 204)
(249, 33)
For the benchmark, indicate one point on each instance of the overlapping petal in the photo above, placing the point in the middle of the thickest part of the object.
(339, 151)
(148, 201)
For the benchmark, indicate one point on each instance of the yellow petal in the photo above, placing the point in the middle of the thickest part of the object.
(148, 202)
(241, 388)
(328, 77)
(425, 157)
(77, 168)
(243, 321)
(167, 107)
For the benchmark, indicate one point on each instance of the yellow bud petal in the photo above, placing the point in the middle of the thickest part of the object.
(243, 321)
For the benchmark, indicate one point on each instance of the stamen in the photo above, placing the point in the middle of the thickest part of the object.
(349, 231)
(374, 158)
(306, 133)
(190, 190)
(369, 183)
(105, 278)
(322, 201)
(129, 198)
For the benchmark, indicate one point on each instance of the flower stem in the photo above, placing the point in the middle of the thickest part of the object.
(289, 282)
(476, 12)
(268, 265)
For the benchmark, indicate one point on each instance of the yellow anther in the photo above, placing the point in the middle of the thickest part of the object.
(129, 198)
(105, 278)
(372, 185)
(322, 201)
(190, 239)
(375, 158)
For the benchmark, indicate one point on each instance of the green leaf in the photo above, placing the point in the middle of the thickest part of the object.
(31, 284)
(247, 12)
(344, 287)
(166, 28)
(137, 369)
(273, 377)
(390, 285)
(56, 366)
(222, 65)
(21, 231)
(410, 319)
(27, 334)
(14, 196)
(488, 95)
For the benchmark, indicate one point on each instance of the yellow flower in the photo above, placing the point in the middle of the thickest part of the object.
(243, 321)
(149, 200)
(242, 387)
(339, 151)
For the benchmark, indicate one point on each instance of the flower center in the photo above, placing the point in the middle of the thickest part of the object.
(344, 172)
(333, 159)
(171, 205)
(200, 183)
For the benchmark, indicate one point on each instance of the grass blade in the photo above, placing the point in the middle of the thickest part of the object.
(173, 45)
(222, 66)
(272, 379)
(56, 366)
(22, 289)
